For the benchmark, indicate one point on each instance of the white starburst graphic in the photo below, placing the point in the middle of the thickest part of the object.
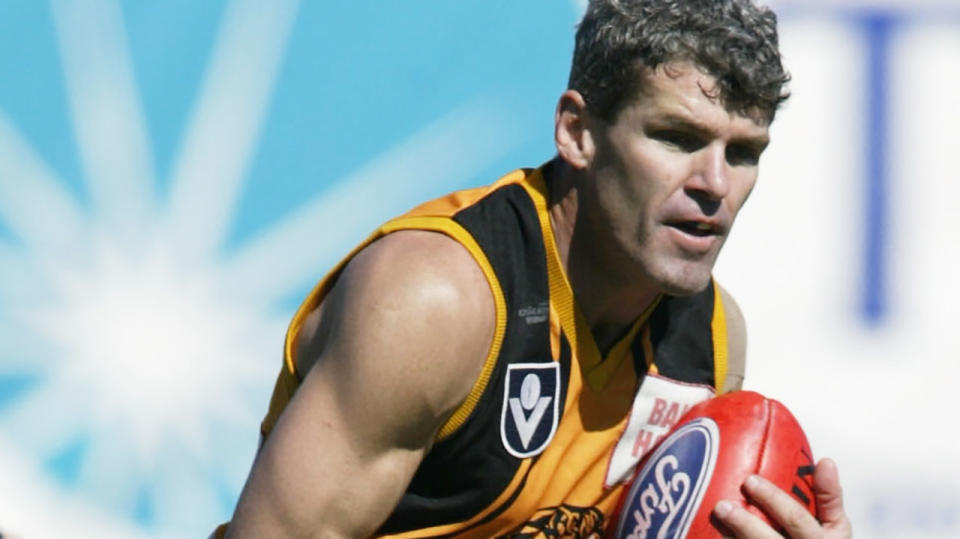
(580, 6)
(153, 351)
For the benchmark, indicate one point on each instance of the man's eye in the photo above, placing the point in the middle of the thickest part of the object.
(740, 155)
(680, 140)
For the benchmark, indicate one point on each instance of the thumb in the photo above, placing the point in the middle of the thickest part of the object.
(826, 486)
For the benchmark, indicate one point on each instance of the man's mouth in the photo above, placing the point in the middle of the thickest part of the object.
(696, 228)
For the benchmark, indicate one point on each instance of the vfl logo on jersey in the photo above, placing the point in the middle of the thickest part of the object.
(530, 401)
(666, 494)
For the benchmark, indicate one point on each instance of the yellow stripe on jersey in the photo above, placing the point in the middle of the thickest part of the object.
(718, 327)
(599, 376)
(457, 232)
(560, 295)
(647, 342)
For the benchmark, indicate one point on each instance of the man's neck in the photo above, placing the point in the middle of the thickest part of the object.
(609, 301)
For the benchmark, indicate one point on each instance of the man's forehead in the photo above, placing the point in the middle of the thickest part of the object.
(682, 92)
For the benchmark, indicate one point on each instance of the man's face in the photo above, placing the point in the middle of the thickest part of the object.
(668, 178)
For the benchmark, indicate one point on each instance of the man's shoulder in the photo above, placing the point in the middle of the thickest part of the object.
(421, 265)
(423, 296)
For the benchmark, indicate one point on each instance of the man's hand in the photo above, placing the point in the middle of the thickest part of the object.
(789, 514)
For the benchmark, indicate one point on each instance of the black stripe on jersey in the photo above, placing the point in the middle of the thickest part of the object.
(495, 513)
(506, 226)
(681, 338)
(465, 472)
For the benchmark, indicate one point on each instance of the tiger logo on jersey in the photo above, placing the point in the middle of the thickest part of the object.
(530, 407)
(562, 521)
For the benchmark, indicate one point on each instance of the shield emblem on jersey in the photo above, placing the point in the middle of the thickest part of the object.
(530, 413)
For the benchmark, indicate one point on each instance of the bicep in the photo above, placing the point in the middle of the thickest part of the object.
(317, 471)
(392, 366)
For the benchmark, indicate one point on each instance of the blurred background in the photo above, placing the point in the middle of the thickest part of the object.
(174, 176)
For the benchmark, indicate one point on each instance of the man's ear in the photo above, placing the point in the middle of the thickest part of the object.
(572, 135)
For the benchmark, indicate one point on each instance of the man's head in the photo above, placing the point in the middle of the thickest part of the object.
(734, 41)
(662, 130)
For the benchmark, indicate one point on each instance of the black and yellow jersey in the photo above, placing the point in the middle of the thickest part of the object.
(550, 428)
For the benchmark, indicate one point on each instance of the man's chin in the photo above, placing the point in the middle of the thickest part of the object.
(686, 280)
(685, 290)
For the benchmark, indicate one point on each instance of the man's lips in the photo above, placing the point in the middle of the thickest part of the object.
(695, 237)
(698, 227)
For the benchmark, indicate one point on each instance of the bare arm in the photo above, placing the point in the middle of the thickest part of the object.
(402, 337)
(736, 342)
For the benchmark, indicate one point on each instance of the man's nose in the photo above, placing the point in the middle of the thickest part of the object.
(710, 173)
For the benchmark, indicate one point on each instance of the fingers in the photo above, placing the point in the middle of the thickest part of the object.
(777, 504)
(790, 515)
(781, 508)
(826, 486)
(741, 523)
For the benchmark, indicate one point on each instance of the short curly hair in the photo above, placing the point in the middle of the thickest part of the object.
(734, 41)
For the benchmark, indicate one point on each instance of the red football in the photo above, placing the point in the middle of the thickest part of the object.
(706, 458)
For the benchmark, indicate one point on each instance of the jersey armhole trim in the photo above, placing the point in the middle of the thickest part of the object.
(718, 327)
(314, 298)
(460, 234)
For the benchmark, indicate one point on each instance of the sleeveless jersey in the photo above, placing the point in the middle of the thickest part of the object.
(540, 446)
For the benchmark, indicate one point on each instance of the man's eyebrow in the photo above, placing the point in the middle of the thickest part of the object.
(669, 120)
